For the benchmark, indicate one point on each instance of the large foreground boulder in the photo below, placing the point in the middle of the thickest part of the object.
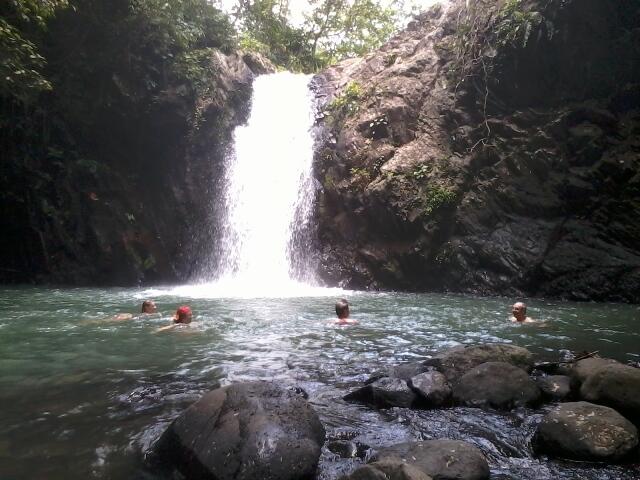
(457, 361)
(617, 386)
(584, 431)
(384, 393)
(245, 431)
(440, 459)
(498, 385)
(390, 469)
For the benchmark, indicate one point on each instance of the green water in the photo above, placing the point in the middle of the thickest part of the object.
(84, 398)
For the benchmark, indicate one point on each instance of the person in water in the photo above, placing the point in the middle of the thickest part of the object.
(342, 311)
(183, 316)
(148, 308)
(519, 313)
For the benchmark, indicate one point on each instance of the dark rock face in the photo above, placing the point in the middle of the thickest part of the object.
(384, 393)
(432, 388)
(617, 386)
(457, 361)
(391, 469)
(523, 181)
(440, 459)
(498, 385)
(127, 211)
(555, 387)
(584, 431)
(245, 431)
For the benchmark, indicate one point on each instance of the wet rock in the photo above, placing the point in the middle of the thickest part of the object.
(584, 431)
(556, 387)
(457, 361)
(404, 371)
(441, 459)
(498, 385)
(343, 448)
(617, 386)
(587, 367)
(391, 469)
(384, 393)
(432, 387)
(244, 431)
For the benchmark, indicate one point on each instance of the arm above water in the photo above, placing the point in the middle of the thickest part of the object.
(165, 328)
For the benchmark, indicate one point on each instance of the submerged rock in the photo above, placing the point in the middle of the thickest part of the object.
(432, 387)
(390, 469)
(245, 431)
(498, 385)
(556, 387)
(584, 431)
(441, 459)
(384, 393)
(457, 361)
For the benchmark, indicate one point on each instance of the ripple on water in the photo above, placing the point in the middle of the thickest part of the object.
(96, 395)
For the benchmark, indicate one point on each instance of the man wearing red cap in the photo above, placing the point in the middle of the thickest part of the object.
(183, 316)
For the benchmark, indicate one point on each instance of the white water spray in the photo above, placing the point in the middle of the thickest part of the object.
(268, 182)
(268, 198)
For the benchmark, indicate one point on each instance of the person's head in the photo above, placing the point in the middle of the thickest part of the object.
(342, 308)
(149, 306)
(183, 315)
(519, 311)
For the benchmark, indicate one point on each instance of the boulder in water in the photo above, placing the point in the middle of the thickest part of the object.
(245, 431)
(441, 459)
(498, 385)
(390, 469)
(457, 361)
(555, 387)
(432, 387)
(584, 431)
(587, 367)
(384, 393)
(617, 386)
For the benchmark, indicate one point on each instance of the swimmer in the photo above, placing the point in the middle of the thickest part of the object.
(342, 311)
(519, 313)
(148, 308)
(183, 316)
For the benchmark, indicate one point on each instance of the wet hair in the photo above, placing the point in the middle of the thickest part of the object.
(342, 308)
(145, 304)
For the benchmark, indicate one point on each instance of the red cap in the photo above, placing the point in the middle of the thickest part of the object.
(184, 310)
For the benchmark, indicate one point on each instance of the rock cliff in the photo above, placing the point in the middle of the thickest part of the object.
(493, 147)
(126, 209)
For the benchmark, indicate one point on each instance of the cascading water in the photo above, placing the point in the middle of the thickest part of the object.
(268, 197)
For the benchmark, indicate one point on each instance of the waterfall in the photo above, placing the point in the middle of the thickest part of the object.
(263, 246)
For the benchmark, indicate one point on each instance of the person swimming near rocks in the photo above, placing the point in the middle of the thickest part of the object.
(342, 311)
(183, 316)
(519, 313)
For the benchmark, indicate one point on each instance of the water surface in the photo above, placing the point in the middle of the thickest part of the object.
(83, 398)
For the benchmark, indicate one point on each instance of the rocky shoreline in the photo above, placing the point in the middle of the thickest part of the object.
(266, 430)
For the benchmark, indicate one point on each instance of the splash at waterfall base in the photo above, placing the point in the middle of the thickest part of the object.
(264, 430)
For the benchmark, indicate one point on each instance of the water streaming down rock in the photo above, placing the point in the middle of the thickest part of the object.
(269, 193)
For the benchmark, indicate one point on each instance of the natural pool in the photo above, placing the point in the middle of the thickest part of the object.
(81, 398)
